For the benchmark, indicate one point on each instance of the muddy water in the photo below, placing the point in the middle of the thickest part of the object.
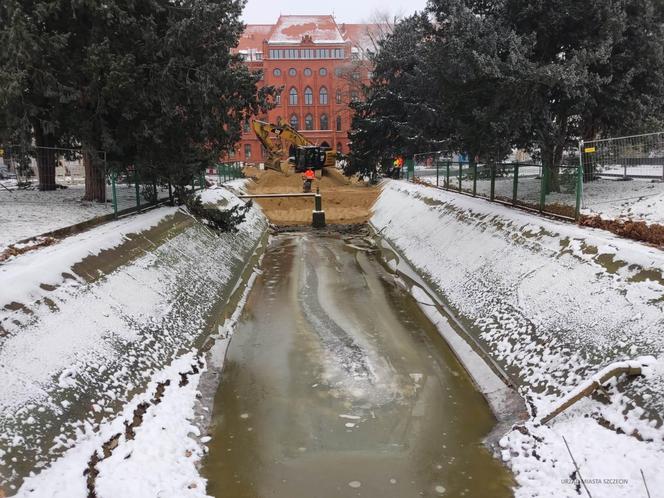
(335, 384)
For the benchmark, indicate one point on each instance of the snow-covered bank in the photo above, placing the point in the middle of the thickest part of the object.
(87, 323)
(552, 303)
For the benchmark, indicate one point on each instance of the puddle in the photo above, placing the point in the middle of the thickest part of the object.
(336, 384)
(609, 263)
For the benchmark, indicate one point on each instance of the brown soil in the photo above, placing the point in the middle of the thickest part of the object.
(344, 201)
(637, 230)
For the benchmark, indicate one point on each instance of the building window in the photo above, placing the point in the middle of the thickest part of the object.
(294, 121)
(322, 71)
(277, 99)
(307, 53)
(308, 96)
(231, 152)
(245, 127)
(324, 124)
(247, 151)
(338, 96)
(276, 72)
(338, 72)
(307, 71)
(292, 71)
(354, 96)
(292, 96)
(355, 75)
(322, 96)
(308, 122)
(338, 123)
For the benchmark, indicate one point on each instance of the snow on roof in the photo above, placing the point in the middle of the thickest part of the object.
(291, 29)
(253, 36)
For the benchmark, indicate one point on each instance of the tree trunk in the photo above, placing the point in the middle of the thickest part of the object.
(552, 156)
(45, 159)
(95, 178)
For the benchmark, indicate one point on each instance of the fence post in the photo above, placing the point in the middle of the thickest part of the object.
(437, 173)
(447, 183)
(138, 190)
(114, 194)
(474, 179)
(460, 172)
(492, 167)
(579, 184)
(203, 182)
(170, 193)
(515, 182)
(543, 184)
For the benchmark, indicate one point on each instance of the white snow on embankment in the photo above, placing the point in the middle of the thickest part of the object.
(553, 304)
(88, 326)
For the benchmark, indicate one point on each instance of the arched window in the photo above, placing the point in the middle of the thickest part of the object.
(338, 97)
(338, 123)
(324, 123)
(292, 96)
(308, 96)
(322, 96)
(294, 121)
(308, 122)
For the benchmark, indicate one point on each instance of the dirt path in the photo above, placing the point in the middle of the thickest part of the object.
(344, 201)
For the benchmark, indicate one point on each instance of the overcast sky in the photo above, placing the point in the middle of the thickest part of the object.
(352, 11)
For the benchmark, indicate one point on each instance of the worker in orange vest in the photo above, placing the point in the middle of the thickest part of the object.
(308, 177)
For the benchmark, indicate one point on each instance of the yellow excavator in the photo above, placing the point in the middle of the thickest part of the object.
(286, 138)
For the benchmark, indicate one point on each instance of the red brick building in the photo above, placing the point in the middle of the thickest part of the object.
(320, 65)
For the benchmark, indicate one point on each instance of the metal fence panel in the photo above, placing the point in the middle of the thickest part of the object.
(623, 176)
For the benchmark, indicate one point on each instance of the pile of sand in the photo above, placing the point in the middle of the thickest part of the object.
(344, 201)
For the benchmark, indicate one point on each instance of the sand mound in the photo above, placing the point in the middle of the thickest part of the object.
(344, 201)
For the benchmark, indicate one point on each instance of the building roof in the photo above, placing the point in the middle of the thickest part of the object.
(322, 30)
(291, 29)
(253, 36)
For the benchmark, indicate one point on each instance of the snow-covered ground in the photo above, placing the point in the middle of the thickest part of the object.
(88, 329)
(553, 304)
(639, 199)
(27, 213)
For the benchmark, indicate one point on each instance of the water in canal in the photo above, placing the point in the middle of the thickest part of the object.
(335, 384)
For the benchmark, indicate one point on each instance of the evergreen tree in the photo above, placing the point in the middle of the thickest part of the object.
(393, 119)
(153, 83)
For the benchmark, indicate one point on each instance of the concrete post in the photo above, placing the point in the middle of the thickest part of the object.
(318, 215)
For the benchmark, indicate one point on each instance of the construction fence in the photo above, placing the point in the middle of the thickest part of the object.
(615, 178)
(524, 184)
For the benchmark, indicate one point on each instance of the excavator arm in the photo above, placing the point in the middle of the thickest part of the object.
(277, 153)
(275, 159)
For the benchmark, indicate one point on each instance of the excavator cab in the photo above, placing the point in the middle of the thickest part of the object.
(309, 156)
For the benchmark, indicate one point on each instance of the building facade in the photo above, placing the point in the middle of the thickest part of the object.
(320, 67)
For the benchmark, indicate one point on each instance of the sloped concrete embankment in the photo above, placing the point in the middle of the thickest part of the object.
(86, 323)
(550, 303)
